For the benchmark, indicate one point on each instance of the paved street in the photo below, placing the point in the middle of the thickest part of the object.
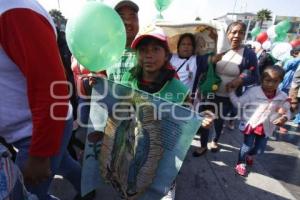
(274, 175)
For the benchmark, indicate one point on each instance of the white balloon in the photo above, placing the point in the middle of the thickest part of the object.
(281, 50)
(256, 45)
(249, 42)
(266, 45)
(271, 32)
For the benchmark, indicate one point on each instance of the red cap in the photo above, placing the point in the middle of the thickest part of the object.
(149, 31)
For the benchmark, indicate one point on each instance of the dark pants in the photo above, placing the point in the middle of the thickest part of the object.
(224, 107)
(203, 132)
(204, 135)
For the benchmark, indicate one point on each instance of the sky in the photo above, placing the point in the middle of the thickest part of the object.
(188, 10)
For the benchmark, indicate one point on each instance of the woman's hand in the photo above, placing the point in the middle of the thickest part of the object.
(92, 81)
(208, 118)
(234, 84)
(216, 58)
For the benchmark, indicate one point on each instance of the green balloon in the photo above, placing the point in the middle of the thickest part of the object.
(283, 27)
(280, 37)
(162, 5)
(254, 32)
(96, 36)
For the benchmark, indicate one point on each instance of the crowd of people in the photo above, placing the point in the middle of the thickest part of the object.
(32, 71)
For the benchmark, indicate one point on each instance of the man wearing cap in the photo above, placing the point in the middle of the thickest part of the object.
(128, 11)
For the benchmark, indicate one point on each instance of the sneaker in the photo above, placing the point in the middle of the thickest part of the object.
(249, 160)
(241, 169)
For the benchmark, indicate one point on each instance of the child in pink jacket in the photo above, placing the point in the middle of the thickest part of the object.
(264, 108)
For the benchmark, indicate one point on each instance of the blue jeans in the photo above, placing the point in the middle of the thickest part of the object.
(61, 164)
(253, 144)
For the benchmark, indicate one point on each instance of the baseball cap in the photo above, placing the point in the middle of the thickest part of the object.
(127, 3)
(149, 31)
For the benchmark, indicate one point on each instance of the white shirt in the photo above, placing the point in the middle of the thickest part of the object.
(228, 69)
(187, 72)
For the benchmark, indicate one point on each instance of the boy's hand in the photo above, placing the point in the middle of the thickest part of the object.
(36, 170)
(280, 121)
(234, 84)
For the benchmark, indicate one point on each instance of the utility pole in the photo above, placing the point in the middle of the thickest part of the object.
(248, 27)
(58, 3)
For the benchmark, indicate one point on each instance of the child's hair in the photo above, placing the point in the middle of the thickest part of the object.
(275, 68)
(187, 35)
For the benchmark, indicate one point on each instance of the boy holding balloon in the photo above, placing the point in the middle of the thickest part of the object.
(128, 11)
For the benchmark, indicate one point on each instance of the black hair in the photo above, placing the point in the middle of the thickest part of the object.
(235, 23)
(187, 35)
(275, 68)
(266, 59)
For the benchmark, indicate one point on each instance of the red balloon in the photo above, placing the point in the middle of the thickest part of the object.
(262, 37)
(295, 43)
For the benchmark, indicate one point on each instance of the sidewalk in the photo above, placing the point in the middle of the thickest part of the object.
(274, 176)
(213, 177)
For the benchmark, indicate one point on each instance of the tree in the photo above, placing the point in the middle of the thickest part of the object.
(58, 18)
(263, 15)
(198, 19)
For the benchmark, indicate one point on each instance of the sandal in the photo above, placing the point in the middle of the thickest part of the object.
(214, 147)
(199, 152)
